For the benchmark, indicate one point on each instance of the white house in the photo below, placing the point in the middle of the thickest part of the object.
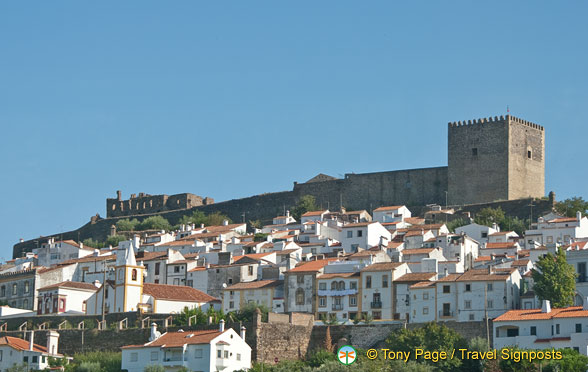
(259, 292)
(544, 328)
(64, 297)
(396, 213)
(478, 232)
(562, 230)
(52, 252)
(206, 351)
(377, 289)
(363, 235)
(337, 295)
(16, 351)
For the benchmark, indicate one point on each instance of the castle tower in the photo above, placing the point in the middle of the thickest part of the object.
(495, 159)
(129, 279)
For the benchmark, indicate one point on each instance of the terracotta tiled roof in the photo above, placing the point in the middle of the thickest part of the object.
(500, 245)
(223, 228)
(536, 314)
(256, 284)
(338, 275)
(414, 220)
(418, 232)
(390, 208)
(577, 246)
(314, 213)
(147, 256)
(416, 277)
(564, 219)
(179, 339)
(474, 275)
(408, 252)
(253, 256)
(69, 284)
(382, 266)
(20, 344)
(423, 285)
(176, 293)
(450, 278)
(358, 224)
(524, 262)
(483, 258)
(310, 266)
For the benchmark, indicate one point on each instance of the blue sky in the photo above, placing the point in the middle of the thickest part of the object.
(230, 99)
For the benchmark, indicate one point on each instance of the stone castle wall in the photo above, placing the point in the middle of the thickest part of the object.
(149, 204)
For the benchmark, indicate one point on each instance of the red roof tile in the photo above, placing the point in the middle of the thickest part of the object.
(20, 344)
(176, 293)
(536, 314)
(69, 284)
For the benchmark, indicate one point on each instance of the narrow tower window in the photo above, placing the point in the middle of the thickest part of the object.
(475, 151)
(529, 154)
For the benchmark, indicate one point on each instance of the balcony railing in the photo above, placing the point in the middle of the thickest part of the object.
(582, 278)
(445, 314)
(337, 307)
(376, 305)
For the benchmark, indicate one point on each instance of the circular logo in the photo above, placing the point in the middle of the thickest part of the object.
(347, 355)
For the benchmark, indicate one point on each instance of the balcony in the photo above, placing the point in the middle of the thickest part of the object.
(376, 305)
(446, 314)
(337, 307)
(582, 278)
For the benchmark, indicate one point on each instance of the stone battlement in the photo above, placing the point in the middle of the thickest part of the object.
(148, 204)
(495, 119)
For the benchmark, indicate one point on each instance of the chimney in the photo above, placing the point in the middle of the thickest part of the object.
(585, 304)
(287, 213)
(136, 243)
(97, 284)
(31, 340)
(225, 222)
(154, 332)
(221, 325)
(490, 269)
(81, 245)
(118, 195)
(546, 306)
(21, 240)
(52, 342)
(243, 332)
(578, 215)
(201, 225)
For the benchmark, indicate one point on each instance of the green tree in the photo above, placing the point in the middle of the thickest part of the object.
(488, 216)
(320, 357)
(154, 223)
(514, 224)
(431, 337)
(18, 368)
(510, 365)
(452, 225)
(93, 243)
(113, 240)
(109, 361)
(127, 225)
(569, 207)
(260, 237)
(306, 203)
(555, 279)
(187, 313)
(572, 361)
(89, 367)
(154, 368)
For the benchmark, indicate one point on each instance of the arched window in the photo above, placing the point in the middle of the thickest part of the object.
(333, 286)
(14, 289)
(25, 303)
(134, 275)
(341, 285)
(300, 296)
(3, 291)
(26, 289)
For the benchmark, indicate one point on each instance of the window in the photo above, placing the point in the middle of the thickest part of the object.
(446, 289)
(134, 357)
(134, 275)
(552, 329)
(550, 239)
(226, 354)
(533, 331)
(350, 234)
(341, 286)
(146, 267)
(156, 281)
(353, 285)
(578, 328)
(231, 304)
(472, 318)
(490, 304)
(322, 286)
(484, 235)
(557, 329)
(529, 154)
(333, 286)
(219, 354)
(368, 281)
(250, 270)
(475, 151)
(490, 287)
(384, 281)
(25, 359)
(238, 356)
(154, 355)
(377, 314)
(14, 289)
(0, 355)
(468, 287)
(353, 301)
(25, 303)
(176, 269)
(3, 291)
(26, 287)
(176, 281)
(322, 301)
(157, 264)
(198, 353)
(190, 283)
(425, 310)
(425, 295)
(359, 233)
(300, 279)
(230, 280)
(468, 304)
(300, 296)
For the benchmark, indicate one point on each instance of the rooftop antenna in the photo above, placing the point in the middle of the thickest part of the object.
(507, 109)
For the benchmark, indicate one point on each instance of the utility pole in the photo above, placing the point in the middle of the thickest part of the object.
(486, 313)
(531, 217)
(103, 290)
